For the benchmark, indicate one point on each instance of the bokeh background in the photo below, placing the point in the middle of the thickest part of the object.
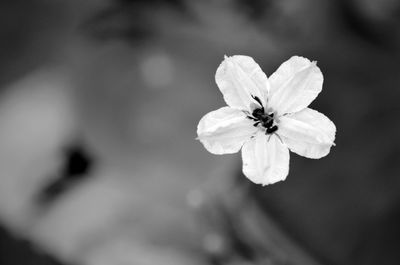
(99, 104)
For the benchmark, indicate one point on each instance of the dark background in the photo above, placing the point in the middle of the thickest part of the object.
(98, 112)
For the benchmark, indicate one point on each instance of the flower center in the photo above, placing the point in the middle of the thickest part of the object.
(264, 119)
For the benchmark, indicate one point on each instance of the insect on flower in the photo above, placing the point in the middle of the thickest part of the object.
(267, 117)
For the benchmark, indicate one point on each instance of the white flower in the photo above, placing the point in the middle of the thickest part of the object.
(266, 117)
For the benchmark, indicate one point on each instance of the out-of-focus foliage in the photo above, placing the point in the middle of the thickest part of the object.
(125, 83)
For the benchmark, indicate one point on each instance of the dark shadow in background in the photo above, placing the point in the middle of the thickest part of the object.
(20, 252)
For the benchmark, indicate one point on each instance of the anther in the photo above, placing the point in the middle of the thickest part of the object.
(258, 100)
(268, 124)
(258, 113)
(271, 129)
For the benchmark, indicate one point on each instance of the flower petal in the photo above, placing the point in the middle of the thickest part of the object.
(307, 133)
(295, 84)
(224, 131)
(265, 159)
(239, 78)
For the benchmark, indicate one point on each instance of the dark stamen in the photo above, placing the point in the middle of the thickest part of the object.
(258, 100)
(271, 129)
(268, 123)
(260, 117)
(258, 113)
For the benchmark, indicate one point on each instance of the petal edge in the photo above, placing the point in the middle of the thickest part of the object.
(294, 85)
(239, 78)
(265, 159)
(308, 133)
(223, 131)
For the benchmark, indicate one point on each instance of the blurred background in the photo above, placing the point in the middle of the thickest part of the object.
(99, 104)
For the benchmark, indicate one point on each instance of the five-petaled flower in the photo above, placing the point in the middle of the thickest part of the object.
(266, 117)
